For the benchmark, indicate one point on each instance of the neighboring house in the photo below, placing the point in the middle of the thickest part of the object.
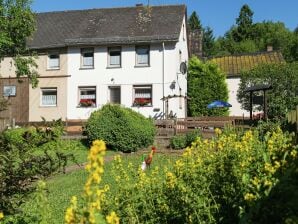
(234, 64)
(88, 58)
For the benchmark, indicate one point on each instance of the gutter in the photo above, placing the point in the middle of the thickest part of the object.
(163, 77)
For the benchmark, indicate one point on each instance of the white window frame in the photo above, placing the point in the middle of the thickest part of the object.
(87, 51)
(144, 87)
(142, 47)
(87, 88)
(52, 53)
(42, 90)
(114, 49)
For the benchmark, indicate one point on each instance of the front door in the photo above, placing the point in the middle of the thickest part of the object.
(115, 94)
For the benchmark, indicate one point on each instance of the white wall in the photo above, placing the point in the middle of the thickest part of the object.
(233, 85)
(127, 76)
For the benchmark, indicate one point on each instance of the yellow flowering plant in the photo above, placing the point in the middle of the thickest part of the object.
(89, 211)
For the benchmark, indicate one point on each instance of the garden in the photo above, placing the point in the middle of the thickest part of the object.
(236, 176)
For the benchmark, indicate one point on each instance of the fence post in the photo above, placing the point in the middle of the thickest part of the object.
(175, 126)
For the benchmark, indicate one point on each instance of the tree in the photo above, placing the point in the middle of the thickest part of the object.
(194, 22)
(206, 83)
(208, 42)
(244, 24)
(284, 81)
(17, 24)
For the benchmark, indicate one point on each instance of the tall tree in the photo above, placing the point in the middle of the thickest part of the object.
(208, 42)
(244, 23)
(194, 22)
(16, 25)
(206, 83)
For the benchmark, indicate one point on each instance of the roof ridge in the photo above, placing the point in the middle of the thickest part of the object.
(110, 8)
(246, 54)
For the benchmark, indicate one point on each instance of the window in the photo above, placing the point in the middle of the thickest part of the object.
(142, 96)
(114, 59)
(87, 96)
(9, 91)
(142, 56)
(87, 57)
(53, 60)
(49, 97)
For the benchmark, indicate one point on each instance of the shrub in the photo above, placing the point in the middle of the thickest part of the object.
(229, 179)
(26, 154)
(183, 141)
(192, 136)
(121, 128)
(178, 142)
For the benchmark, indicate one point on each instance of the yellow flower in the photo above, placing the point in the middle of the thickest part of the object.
(112, 218)
(267, 183)
(217, 131)
(249, 197)
(69, 216)
(1, 215)
(293, 153)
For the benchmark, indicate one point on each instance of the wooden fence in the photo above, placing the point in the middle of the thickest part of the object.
(293, 118)
(206, 125)
(4, 123)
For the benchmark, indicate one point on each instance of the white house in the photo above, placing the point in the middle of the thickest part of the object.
(89, 58)
(233, 65)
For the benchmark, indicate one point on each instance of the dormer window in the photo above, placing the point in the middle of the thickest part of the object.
(53, 60)
(87, 58)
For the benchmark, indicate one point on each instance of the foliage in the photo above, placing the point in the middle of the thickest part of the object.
(248, 37)
(16, 25)
(89, 210)
(206, 83)
(21, 165)
(121, 128)
(222, 180)
(208, 42)
(194, 22)
(178, 142)
(284, 81)
(244, 24)
(183, 141)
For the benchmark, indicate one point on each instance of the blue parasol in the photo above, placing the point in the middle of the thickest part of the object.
(218, 104)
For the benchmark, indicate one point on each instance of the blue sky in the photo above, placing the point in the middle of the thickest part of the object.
(220, 15)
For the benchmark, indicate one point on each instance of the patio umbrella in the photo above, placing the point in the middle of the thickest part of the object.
(218, 104)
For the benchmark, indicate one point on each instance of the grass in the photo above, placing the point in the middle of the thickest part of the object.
(62, 187)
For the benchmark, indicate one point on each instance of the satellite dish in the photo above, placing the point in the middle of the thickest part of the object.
(183, 68)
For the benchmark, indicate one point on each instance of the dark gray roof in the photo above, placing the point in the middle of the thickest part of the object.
(108, 26)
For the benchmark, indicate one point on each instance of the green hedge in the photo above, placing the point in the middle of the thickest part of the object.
(121, 128)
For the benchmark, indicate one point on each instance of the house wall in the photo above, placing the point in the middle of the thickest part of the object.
(27, 105)
(48, 112)
(7, 68)
(128, 75)
(18, 108)
(233, 86)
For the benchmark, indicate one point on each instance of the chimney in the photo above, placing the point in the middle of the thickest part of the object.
(269, 48)
(139, 4)
(195, 39)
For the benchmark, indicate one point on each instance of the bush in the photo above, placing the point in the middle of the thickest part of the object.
(121, 128)
(27, 154)
(229, 179)
(178, 142)
(183, 141)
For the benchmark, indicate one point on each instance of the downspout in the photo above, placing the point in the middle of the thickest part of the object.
(163, 78)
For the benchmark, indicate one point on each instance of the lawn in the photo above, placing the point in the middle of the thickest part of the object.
(62, 187)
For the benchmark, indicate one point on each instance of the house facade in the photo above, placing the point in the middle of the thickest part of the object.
(88, 58)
